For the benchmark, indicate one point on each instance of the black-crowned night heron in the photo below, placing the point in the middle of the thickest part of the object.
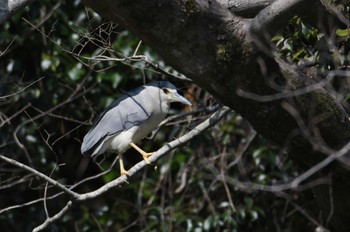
(129, 119)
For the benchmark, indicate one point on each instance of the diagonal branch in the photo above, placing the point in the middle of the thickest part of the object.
(51, 220)
(211, 121)
(41, 175)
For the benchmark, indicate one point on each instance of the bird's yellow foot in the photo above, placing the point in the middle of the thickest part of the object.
(146, 155)
(121, 164)
(123, 172)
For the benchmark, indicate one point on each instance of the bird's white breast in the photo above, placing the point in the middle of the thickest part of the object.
(121, 142)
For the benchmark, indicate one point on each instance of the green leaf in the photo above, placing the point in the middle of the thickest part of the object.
(277, 38)
(298, 53)
(342, 32)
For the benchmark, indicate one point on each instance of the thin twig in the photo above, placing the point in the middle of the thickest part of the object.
(41, 175)
(21, 90)
(51, 220)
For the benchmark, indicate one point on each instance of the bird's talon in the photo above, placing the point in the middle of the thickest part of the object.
(146, 159)
(124, 172)
(149, 154)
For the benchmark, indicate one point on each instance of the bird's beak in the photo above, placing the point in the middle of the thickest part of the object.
(178, 98)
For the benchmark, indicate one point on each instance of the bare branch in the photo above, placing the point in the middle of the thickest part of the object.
(286, 93)
(245, 8)
(21, 90)
(41, 175)
(51, 220)
(334, 12)
(73, 96)
(139, 58)
(302, 211)
(294, 184)
(276, 15)
(4, 119)
(29, 203)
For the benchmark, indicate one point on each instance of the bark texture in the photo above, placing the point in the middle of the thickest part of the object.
(220, 52)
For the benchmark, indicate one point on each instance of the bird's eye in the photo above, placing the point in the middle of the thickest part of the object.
(165, 90)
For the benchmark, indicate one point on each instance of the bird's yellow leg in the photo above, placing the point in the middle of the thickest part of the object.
(121, 165)
(144, 154)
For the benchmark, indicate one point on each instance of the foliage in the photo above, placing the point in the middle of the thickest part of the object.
(54, 92)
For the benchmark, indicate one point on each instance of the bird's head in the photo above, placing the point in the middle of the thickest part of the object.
(172, 95)
(169, 93)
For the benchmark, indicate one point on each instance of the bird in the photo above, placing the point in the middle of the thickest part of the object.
(129, 119)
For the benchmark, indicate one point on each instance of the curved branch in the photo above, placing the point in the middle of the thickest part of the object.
(245, 8)
(296, 182)
(276, 15)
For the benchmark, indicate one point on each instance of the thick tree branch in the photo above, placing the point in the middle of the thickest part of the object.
(275, 16)
(245, 8)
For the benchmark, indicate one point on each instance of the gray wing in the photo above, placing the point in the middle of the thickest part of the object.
(121, 115)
